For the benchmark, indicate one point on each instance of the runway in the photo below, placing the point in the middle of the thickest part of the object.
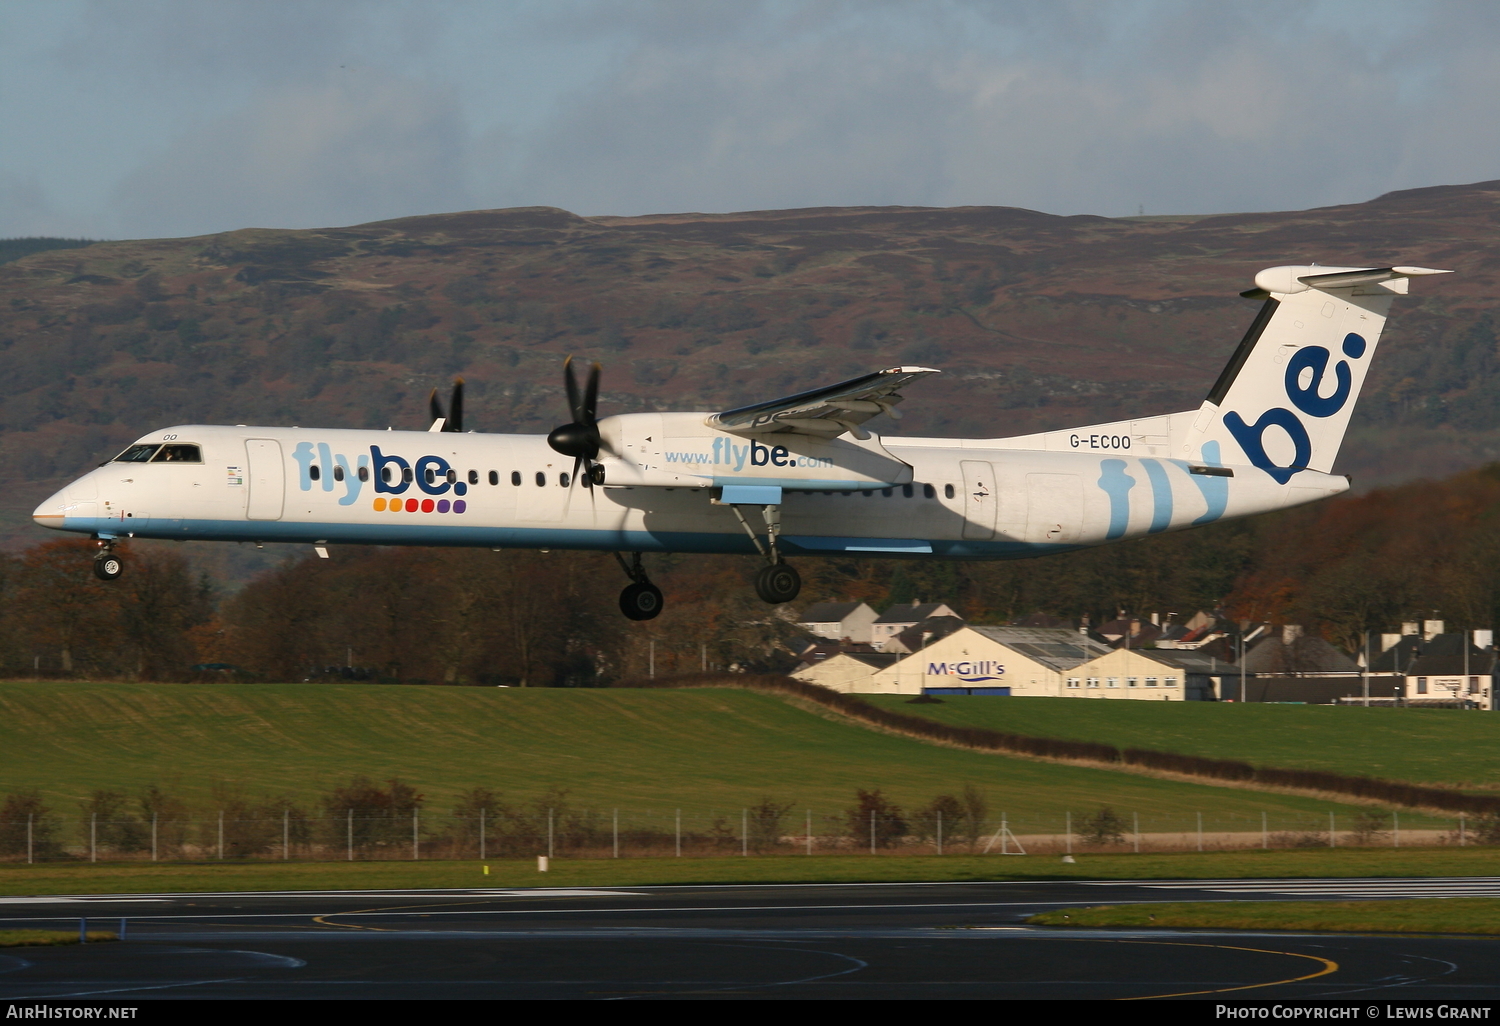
(936, 941)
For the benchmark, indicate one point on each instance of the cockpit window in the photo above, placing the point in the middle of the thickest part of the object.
(137, 454)
(176, 453)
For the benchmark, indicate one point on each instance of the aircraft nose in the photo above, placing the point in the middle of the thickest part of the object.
(50, 513)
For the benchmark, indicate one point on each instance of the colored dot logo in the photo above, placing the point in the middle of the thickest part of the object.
(424, 506)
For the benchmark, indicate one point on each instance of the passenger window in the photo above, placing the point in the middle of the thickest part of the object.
(385, 474)
(430, 475)
(541, 479)
(474, 477)
(927, 492)
(338, 473)
(452, 476)
(948, 491)
(178, 454)
(562, 479)
(906, 490)
(406, 474)
(315, 472)
(515, 477)
(363, 473)
(137, 454)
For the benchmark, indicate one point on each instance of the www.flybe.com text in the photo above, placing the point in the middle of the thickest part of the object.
(726, 453)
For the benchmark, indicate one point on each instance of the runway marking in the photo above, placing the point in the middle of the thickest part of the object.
(406, 910)
(1329, 966)
(1360, 888)
(47, 900)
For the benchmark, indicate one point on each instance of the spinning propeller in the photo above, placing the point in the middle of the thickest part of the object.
(580, 439)
(453, 420)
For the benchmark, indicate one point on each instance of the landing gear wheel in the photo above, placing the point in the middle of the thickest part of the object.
(596, 474)
(777, 584)
(641, 601)
(107, 567)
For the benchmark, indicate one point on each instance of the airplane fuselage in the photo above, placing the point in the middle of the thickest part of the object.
(893, 497)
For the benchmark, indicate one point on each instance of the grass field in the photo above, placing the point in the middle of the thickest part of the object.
(645, 752)
(1410, 915)
(50, 938)
(1424, 746)
(136, 877)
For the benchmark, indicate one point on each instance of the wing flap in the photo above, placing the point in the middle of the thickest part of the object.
(827, 411)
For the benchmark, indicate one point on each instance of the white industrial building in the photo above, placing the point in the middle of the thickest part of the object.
(976, 660)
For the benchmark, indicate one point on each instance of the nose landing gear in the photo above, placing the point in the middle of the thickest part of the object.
(641, 600)
(107, 565)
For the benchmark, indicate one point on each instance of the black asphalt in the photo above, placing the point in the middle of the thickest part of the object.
(816, 941)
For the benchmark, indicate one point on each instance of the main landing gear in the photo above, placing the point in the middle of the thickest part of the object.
(107, 565)
(776, 582)
(641, 600)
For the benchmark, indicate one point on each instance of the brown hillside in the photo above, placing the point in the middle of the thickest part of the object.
(1037, 321)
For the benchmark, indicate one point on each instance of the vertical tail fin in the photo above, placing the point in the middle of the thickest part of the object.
(1284, 401)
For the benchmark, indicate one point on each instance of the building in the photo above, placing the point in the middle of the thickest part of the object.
(914, 639)
(845, 671)
(1146, 675)
(1016, 661)
(839, 621)
(1452, 670)
(903, 617)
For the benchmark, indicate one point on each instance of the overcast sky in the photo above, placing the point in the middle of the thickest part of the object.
(144, 118)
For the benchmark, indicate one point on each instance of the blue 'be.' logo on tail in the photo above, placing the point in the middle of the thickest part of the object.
(1251, 437)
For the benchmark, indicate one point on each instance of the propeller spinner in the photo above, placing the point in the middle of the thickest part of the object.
(580, 439)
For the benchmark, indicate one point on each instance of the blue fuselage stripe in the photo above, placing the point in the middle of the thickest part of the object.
(546, 537)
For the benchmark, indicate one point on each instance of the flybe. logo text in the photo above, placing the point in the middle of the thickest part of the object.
(318, 466)
(1305, 372)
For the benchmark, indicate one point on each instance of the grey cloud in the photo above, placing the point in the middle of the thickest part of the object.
(354, 148)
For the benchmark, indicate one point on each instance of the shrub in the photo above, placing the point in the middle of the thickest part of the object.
(889, 825)
(1103, 827)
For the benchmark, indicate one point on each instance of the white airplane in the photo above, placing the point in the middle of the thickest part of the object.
(793, 476)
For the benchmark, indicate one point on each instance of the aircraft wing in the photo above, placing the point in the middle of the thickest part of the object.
(827, 411)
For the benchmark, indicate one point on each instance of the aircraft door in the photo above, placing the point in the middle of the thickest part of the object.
(980, 499)
(267, 479)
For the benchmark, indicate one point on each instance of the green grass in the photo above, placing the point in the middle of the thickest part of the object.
(136, 877)
(49, 938)
(643, 751)
(1410, 915)
(1423, 746)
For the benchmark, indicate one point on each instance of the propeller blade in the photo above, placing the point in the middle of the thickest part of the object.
(574, 479)
(572, 385)
(591, 397)
(435, 406)
(456, 407)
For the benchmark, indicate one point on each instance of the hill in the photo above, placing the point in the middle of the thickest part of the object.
(1441, 747)
(705, 751)
(1037, 320)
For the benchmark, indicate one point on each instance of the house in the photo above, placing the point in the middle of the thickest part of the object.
(1017, 661)
(913, 639)
(903, 617)
(1451, 669)
(839, 621)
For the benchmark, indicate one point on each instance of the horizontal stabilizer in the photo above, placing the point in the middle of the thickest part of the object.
(1288, 280)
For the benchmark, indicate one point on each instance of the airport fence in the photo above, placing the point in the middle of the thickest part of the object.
(766, 829)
